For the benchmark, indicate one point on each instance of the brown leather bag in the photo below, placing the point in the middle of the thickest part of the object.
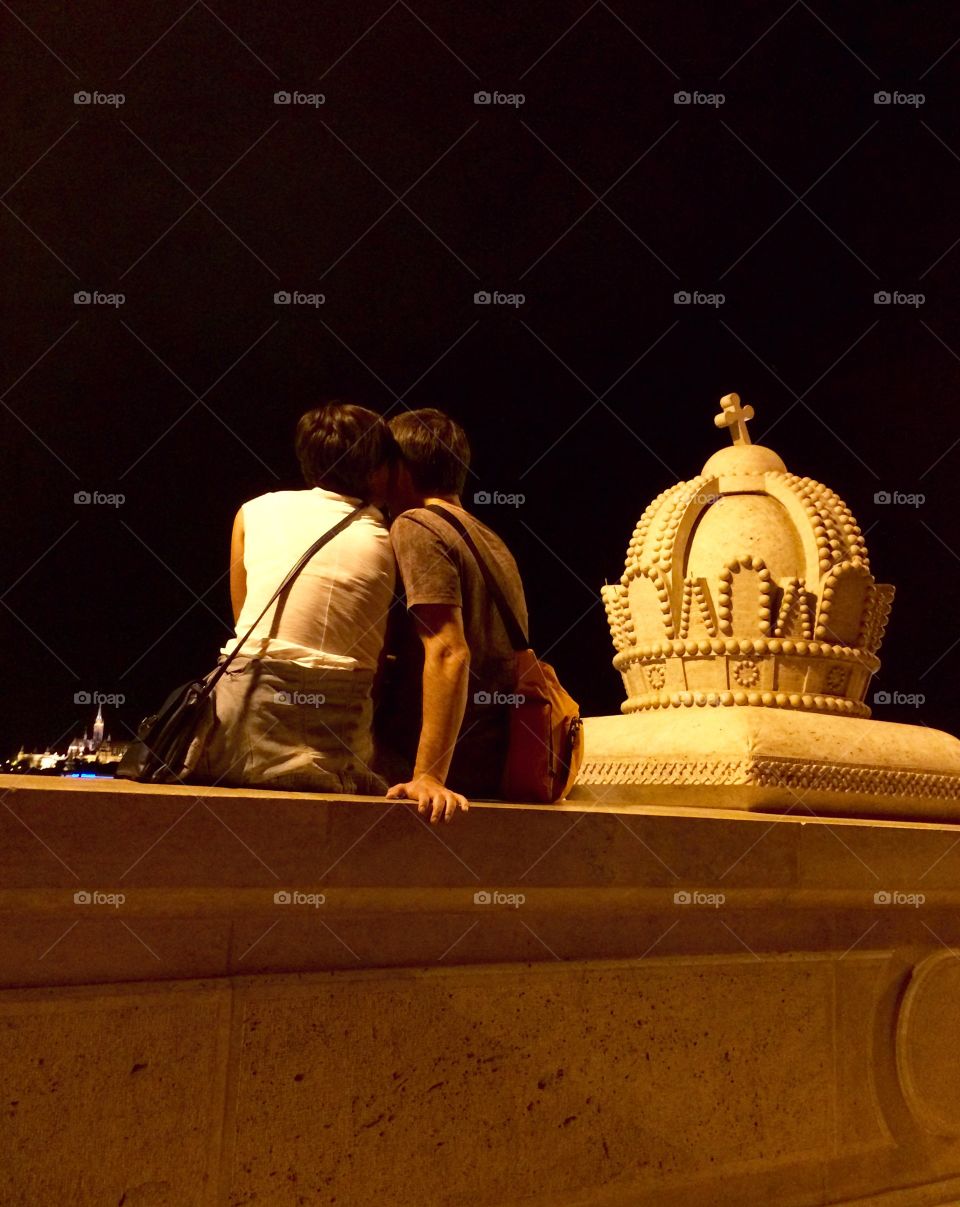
(546, 732)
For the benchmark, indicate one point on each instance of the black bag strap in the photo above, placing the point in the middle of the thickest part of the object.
(518, 638)
(305, 557)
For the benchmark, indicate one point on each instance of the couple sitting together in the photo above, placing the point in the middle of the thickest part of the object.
(336, 689)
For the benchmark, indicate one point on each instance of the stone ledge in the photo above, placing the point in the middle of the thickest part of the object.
(756, 758)
(198, 870)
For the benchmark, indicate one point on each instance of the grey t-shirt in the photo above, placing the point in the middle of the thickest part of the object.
(436, 567)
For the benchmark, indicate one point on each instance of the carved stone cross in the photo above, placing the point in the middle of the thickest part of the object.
(735, 417)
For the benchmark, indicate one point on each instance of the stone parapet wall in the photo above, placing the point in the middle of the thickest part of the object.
(587, 1005)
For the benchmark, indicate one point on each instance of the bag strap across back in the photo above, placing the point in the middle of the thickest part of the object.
(518, 638)
(305, 557)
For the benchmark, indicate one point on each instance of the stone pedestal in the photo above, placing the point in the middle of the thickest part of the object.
(768, 760)
(588, 1005)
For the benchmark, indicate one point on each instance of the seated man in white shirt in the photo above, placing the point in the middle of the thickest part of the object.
(294, 709)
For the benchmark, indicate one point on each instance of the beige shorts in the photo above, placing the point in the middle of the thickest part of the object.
(281, 725)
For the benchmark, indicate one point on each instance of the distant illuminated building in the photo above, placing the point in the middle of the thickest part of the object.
(92, 743)
(91, 752)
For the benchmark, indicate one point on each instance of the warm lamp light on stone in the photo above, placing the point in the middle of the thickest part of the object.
(747, 625)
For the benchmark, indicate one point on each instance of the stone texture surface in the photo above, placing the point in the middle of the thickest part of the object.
(490, 1086)
(664, 1080)
(198, 870)
(929, 1070)
(113, 1097)
(745, 1008)
(770, 760)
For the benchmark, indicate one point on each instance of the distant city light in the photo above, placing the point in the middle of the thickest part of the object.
(95, 748)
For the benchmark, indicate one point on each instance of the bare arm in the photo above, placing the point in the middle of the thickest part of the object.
(446, 669)
(238, 573)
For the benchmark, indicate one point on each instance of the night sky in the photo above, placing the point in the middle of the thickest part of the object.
(398, 198)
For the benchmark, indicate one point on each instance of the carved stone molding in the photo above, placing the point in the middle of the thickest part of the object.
(928, 1054)
(791, 774)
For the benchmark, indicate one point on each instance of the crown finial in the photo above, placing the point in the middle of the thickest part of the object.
(735, 417)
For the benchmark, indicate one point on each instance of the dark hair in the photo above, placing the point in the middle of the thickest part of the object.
(340, 445)
(435, 449)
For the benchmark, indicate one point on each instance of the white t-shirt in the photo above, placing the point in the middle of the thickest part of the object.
(335, 613)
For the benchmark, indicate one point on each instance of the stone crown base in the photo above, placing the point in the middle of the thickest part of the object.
(754, 699)
(774, 760)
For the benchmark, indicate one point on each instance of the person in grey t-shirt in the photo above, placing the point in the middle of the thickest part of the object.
(446, 723)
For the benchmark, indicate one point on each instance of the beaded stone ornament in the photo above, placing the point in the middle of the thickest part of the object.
(748, 585)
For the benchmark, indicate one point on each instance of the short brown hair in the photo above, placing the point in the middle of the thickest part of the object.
(435, 449)
(339, 445)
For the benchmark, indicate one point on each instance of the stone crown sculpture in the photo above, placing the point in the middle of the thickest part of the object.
(748, 586)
